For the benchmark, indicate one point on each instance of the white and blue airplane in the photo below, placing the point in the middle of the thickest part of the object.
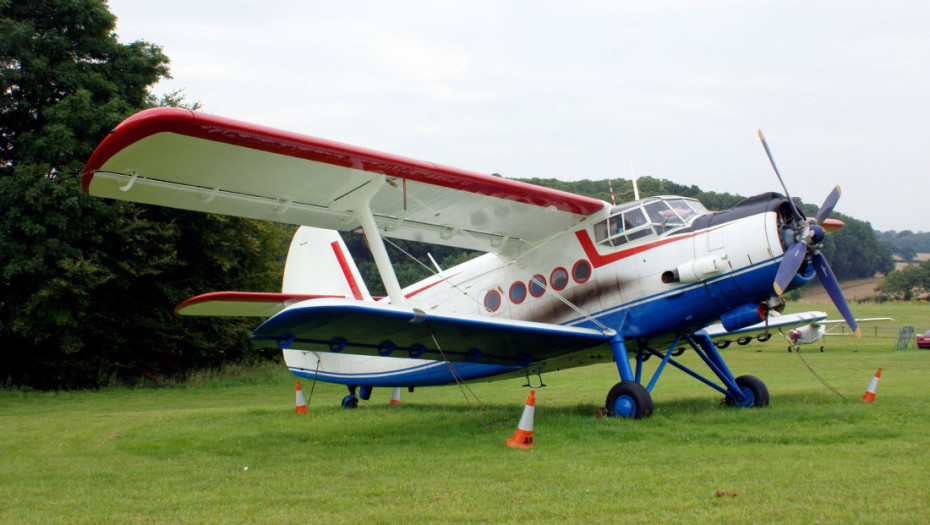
(565, 280)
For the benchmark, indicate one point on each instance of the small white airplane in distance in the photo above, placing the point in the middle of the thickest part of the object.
(566, 280)
(798, 329)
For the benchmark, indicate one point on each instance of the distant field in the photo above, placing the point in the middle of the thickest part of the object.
(179, 455)
(852, 290)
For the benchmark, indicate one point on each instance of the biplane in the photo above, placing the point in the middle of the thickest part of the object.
(564, 280)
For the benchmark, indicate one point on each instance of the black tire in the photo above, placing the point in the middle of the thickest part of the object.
(630, 399)
(350, 401)
(722, 344)
(764, 337)
(753, 387)
(743, 341)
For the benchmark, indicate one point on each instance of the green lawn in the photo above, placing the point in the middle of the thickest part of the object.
(180, 454)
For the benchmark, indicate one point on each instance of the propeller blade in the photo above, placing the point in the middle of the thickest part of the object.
(789, 266)
(830, 284)
(797, 212)
(828, 205)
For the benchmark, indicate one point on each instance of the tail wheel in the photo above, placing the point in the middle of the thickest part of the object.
(350, 401)
(629, 399)
(755, 392)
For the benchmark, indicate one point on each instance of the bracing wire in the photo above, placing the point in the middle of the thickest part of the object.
(467, 391)
(817, 376)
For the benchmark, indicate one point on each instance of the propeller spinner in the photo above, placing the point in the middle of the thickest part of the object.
(807, 246)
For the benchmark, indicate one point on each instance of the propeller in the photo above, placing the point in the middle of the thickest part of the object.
(807, 246)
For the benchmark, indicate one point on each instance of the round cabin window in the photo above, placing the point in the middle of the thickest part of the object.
(581, 272)
(492, 300)
(559, 278)
(537, 285)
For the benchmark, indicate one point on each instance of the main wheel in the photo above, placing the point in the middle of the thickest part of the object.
(757, 394)
(629, 399)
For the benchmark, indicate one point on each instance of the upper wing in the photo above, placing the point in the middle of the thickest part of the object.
(184, 159)
(367, 328)
(718, 333)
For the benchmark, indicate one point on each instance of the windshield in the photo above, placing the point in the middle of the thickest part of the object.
(649, 217)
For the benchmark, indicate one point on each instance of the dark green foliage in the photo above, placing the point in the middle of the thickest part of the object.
(854, 251)
(87, 286)
(411, 262)
(906, 243)
(908, 283)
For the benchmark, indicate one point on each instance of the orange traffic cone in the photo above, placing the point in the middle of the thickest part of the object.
(523, 437)
(301, 404)
(395, 397)
(869, 395)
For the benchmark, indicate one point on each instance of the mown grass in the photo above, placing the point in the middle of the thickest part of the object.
(179, 455)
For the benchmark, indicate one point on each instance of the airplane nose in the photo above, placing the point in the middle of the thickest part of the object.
(819, 234)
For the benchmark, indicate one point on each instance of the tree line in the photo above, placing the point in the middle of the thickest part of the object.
(88, 286)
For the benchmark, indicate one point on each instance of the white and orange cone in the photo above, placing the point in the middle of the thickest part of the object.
(301, 404)
(869, 395)
(523, 437)
(395, 397)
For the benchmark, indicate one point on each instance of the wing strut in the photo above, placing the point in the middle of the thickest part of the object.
(359, 201)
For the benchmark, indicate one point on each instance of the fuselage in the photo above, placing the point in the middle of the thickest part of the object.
(650, 269)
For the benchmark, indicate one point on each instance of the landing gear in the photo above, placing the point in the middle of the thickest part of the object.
(743, 341)
(351, 400)
(629, 399)
(755, 393)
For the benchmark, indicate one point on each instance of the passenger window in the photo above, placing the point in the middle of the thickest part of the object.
(634, 219)
(600, 231)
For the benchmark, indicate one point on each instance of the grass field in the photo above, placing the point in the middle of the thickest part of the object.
(230, 449)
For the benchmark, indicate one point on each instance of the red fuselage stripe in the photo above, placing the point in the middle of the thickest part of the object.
(344, 264)
(598, 260)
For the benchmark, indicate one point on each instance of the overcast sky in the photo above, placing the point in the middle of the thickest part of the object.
(574, 90)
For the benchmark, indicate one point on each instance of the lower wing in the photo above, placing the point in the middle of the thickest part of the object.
(387, 330)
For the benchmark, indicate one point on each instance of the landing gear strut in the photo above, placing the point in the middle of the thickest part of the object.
(630, 398)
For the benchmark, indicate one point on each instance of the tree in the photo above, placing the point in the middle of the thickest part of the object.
(87, 286)
(908, 283)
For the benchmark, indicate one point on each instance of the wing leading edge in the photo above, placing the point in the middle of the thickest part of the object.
(386, 330)
(184, 159)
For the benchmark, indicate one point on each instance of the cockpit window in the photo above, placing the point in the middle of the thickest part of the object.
(649, 217)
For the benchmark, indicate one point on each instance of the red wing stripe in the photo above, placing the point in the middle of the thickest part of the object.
(344, 264)
(243, 134)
